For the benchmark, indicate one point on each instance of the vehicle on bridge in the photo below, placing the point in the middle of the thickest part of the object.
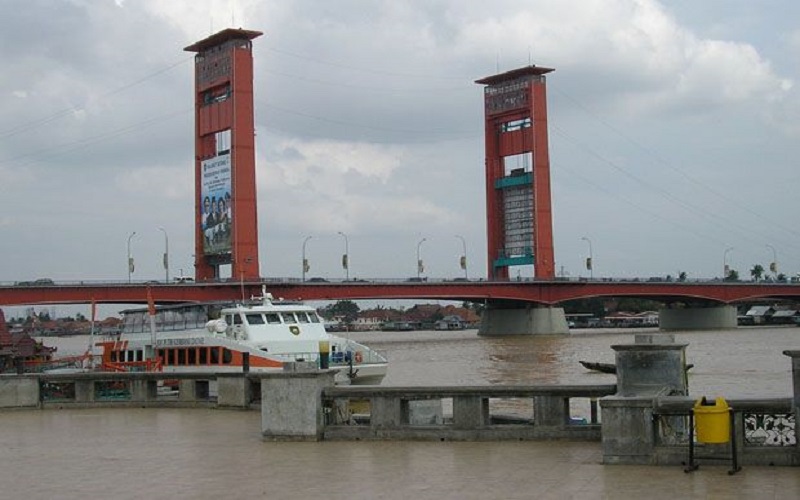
(258, 335)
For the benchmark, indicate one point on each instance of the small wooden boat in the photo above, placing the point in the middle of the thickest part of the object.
(610, 367)
(599, 367)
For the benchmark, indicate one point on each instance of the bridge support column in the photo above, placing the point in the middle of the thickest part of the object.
(523, 320)
(698, 318)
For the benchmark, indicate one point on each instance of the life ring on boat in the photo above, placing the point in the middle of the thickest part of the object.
(295, 330)
(359, 357)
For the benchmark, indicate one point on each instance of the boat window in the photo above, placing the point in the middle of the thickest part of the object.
(170, 356)
(192, 355)
(139, 355)
(227, 356)
(172, 320)
(302, 316)
(237, 319)
(288, 317)
(134, 322)
(113, 356)
(314, 317)
(215, 355)
(195, 318)
(181, 356)
(255, 319)
(273, 318)
(203, 355)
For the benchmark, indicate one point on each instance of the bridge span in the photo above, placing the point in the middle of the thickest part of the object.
(539, 292)
(512, 307)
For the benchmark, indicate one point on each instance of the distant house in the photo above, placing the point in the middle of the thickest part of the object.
(627, 319)
(372, 319)
(452, 322)
(760, 315)
(785, 317)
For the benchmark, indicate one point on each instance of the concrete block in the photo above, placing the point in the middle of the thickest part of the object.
(84, 391)
(291, 405)
(19, 392)
(387, 412)
(627, 431)
(651, 369)
(233, 391)
(550, 411)
(425, 412)
(144, 390)
(470, 412)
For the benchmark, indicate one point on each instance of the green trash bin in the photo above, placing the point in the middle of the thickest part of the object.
(712, 421)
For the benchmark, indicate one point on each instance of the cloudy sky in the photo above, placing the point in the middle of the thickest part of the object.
(673, 132)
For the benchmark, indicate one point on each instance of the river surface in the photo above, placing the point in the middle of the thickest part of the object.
(746, 362)
(208, 453)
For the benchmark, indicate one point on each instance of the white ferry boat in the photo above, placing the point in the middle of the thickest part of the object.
(258, 335)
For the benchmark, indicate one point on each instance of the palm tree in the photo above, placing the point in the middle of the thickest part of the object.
(757, 272)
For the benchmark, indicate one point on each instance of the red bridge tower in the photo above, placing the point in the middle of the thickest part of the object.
(226, 225)
(518, 206)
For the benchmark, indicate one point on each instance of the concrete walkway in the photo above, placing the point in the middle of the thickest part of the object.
(146, 453)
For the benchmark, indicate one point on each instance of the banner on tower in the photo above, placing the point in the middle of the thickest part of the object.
(216, 216)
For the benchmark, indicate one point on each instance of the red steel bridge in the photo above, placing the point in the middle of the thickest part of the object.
(541, 292)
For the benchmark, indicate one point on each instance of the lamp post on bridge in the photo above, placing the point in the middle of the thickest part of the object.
(463, 259)
(306, 267)
(420, 264)
(346, 257)
(725, 269)
(589, 264)
(166, 254)
(773, 266)
(130, 258)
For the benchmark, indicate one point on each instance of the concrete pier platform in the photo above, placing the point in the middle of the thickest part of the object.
(213, 453)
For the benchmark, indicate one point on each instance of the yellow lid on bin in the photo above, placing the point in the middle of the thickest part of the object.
(712, 420)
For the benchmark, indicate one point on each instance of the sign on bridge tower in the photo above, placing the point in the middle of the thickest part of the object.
(518, 208)
(226, 229)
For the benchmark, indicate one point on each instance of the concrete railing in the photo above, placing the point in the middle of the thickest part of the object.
(464, 413)
(106, 389)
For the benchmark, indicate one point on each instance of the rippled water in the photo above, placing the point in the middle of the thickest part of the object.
(746, 362)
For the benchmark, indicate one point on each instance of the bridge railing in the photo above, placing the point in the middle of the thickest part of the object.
(383, 281)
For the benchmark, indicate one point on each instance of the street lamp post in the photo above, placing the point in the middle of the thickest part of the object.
(463, 259)
(166, 254)
(346, 257)
(589, 263)
(420, 264)
(725, 269)
(773, 266)
(306, 267)
(130, 258)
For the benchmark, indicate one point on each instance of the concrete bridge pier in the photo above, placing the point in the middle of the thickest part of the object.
(717, 317)
(523, 319)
